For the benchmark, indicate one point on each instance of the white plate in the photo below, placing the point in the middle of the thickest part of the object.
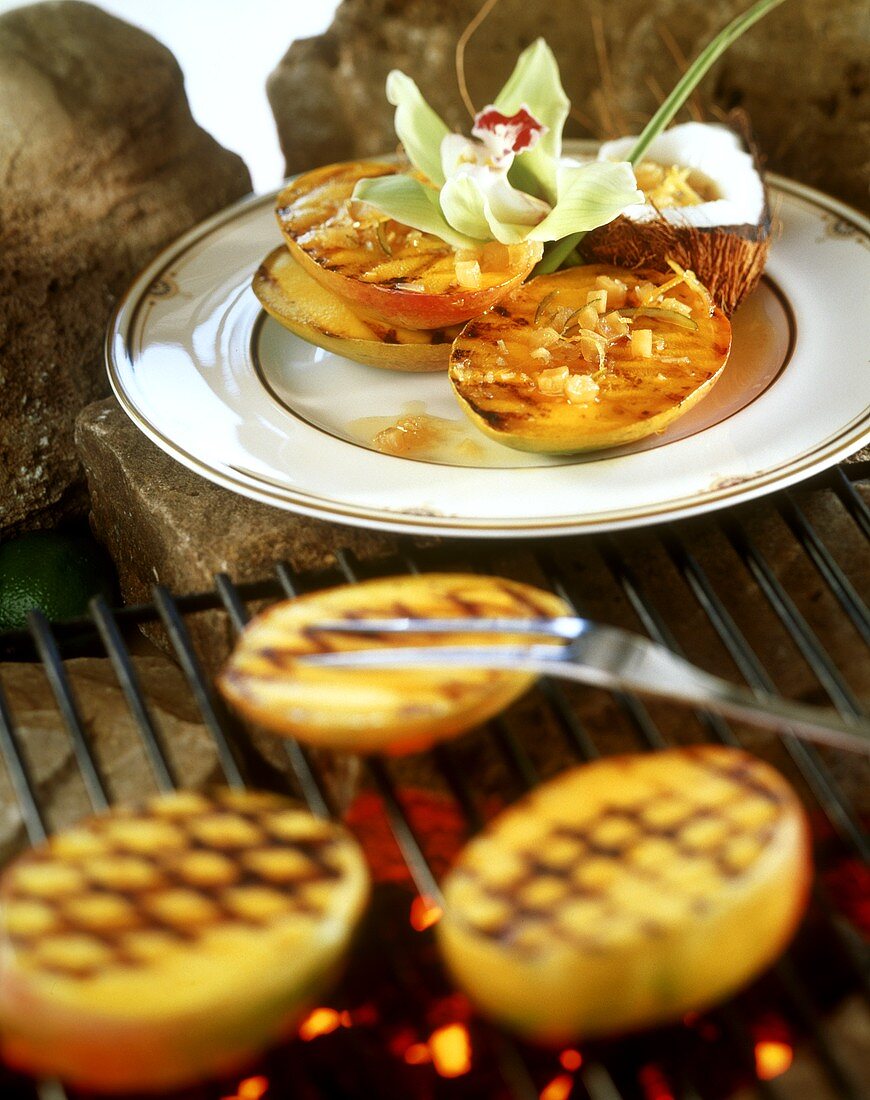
(241, 401)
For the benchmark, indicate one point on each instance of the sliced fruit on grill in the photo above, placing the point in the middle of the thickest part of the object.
(152, 947)
(400, 275)
(627, 892)
(309, 310)
(366, 710)
(591, 357)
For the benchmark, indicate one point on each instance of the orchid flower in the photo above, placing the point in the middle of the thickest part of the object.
(506, 182)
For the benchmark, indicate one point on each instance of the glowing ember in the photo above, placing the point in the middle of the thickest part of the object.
(772, 1058)
(559, 1088)
(655, 1084)
(252, 1088)
(849, 883)
(424, 913)
(364, 1014)
(436, 817)
(320, 1021)
(450, 1048)
(417, 1054)
(571, 1059)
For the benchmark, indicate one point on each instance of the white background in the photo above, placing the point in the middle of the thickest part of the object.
(226, 49)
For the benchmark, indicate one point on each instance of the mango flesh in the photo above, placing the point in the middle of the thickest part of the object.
(145, 949)
(386, 270)
(368, 710)
(315, 314)
(627, 892)
(499, 365)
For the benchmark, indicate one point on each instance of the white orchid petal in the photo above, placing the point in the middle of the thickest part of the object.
(535, 83)
(458, 151)
(510, 205)
(589, 196)
(418, 127)
(481, 202)
(462, 203)
(410, 202)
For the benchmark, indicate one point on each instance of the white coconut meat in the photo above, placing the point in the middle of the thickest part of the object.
(717, 154)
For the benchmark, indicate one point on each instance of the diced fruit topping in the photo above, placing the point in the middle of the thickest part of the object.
(552, 381)
(593, 347)
(590, 373)
(597, 299)
(641, 343)
(616, 290)
(468, 273)
(580, 388)
(672, 186)
(605, 318)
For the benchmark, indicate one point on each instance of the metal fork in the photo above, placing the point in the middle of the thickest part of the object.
(590, 653)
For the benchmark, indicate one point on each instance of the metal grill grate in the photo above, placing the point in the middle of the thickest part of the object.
(759, 629)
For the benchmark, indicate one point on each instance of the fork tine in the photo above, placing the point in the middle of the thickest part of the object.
(616, 659)
(518, 656)
(560, 626)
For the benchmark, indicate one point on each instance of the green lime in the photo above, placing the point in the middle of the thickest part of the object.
(57, 573)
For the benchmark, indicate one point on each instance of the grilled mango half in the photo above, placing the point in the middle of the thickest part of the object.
(385, 270)
(148, 948)
(588, 358)
(627, 892)
(317, 315)
(366, 710)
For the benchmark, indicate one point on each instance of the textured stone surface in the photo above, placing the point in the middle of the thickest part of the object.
(101, 164)
(118, 747)
(801, 75)
(164, 524)
(112, 730)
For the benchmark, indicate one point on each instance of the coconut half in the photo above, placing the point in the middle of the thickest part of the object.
(724, 239)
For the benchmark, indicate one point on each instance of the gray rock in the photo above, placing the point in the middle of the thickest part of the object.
(801, 75)
(164, 524)
(118, 747)
(112, 731)
(101, 165)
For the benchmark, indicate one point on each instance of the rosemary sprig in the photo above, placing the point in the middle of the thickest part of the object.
(683, 89)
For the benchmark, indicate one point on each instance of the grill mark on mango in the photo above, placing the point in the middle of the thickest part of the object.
(318, 853)
(534, 865)
(634, 394)
(314, 210)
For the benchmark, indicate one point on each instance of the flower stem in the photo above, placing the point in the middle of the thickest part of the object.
(664, 115)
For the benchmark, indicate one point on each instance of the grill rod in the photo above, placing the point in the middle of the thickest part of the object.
(836, 807)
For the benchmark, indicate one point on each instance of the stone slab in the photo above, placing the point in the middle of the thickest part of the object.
(117, 746)
(164, 525)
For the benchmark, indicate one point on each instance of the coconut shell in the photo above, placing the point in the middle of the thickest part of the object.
(729, 259)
